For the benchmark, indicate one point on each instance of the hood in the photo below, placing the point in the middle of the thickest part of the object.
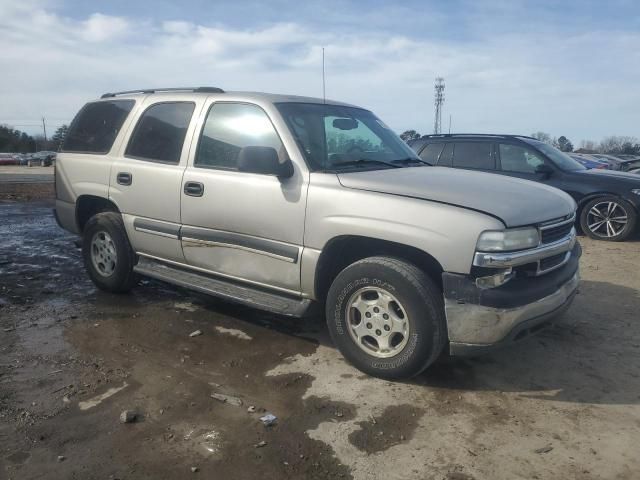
(625, 178)
(515, 201)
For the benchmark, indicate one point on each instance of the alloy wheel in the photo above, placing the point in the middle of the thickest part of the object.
(607, 219)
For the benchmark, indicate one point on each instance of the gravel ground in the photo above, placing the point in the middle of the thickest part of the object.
(23, 174)
(564, 404)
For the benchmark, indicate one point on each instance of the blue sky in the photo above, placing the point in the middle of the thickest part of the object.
(568, 68)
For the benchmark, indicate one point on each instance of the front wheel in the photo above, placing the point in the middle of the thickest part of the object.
(108, 256)
(386, 316)
(608, 218)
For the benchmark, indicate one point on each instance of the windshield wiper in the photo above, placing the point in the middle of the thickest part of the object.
(363, 161)
(411, 160)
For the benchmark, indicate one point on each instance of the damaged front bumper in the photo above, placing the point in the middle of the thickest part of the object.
(483, 319)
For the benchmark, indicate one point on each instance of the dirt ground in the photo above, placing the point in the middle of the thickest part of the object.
(562, 405)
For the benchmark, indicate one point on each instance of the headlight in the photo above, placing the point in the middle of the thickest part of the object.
(636, 191)
(508, 240)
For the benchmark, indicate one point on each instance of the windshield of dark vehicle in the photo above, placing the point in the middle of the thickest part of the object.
(334, 138)
(561, 159)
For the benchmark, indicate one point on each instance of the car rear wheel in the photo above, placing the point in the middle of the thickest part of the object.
(108, 256)
(608, 218)
(386, 316)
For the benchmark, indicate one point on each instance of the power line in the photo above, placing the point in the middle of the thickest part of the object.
(438, 101)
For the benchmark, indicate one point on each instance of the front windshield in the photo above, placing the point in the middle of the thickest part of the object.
(337, 138)
(561, 159)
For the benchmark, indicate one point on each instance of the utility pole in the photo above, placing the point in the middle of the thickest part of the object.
(324, 95)
(438, 101)
(44, 128)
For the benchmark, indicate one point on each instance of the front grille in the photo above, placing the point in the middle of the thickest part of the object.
(553, 234)
(550, 262)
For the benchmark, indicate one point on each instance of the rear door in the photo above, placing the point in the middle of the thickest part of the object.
(431, 152)
(245, 226)
(146, 177)
(474, 156)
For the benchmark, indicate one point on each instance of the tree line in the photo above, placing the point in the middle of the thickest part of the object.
(15, 141)
(614, 144)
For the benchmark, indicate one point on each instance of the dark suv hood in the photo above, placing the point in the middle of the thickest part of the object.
(515, 201)
(608, 177)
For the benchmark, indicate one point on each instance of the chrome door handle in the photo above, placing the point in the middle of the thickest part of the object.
(124, 178)
(193, 189)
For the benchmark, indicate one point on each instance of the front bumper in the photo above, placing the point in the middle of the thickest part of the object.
(482, 319)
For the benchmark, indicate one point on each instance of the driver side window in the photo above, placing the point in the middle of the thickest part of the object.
(514, 158)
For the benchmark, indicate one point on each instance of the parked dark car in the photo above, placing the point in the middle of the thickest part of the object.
(608, 201)
(615, 162)
(46, 158)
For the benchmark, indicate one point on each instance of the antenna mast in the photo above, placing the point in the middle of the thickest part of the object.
(324, 96)
(438, 101)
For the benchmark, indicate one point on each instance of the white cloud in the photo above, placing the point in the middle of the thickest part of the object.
(583, 85)
(99, 27)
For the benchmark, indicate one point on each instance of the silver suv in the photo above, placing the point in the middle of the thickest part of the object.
(284, 202)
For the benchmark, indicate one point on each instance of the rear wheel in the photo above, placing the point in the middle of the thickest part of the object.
(108, 256)
(608, 218)
(386, 317)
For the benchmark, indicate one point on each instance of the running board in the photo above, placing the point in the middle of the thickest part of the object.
(225, 289)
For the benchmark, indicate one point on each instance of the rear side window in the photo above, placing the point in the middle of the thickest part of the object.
(96, 126)
(230, 127)
(431, 152)
(473, 155)
(159, 134)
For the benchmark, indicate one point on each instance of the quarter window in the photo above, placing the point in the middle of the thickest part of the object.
(96, 126)
(431, 152)
(229, 128)
(159, 135)
(473, 155)
(515, 158)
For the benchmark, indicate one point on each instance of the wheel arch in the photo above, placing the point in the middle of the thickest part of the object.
(592, 196)
(343, 250)
(89, 205)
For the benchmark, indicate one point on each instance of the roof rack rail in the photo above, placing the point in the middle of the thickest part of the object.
(174, 89)
(498, 135)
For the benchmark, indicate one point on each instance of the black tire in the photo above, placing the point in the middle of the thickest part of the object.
(122, 278)
(418, 296)
(602, 232)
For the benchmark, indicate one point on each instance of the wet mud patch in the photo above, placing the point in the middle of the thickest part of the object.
(394, 426)
(146, 336)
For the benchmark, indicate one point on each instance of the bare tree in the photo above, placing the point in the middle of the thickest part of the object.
(588, 145)
(619, 144)
(543, 137)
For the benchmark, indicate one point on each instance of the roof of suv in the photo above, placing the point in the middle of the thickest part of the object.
(206, 91)
(451, 136)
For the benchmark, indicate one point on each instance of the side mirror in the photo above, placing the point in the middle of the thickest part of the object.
(545, 170)
(265, 161)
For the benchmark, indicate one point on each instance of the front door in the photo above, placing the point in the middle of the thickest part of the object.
(146, 178)
(243, 226)
(522, 162)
